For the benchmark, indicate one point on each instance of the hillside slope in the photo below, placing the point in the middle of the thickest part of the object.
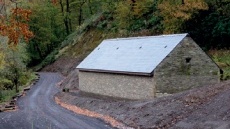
(207, 107)
(201, 108)
(71, 55)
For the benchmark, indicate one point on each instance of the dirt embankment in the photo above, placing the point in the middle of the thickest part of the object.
(67, 67)
(207, 107)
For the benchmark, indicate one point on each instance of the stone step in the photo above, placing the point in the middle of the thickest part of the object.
(26, 89)
(10, 106)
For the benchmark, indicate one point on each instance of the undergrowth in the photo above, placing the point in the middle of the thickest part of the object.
(6, 95)
(70, 40)
(222, 58)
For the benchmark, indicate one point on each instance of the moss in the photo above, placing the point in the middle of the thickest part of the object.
(222, 58)
(215, 73)
(185, 69)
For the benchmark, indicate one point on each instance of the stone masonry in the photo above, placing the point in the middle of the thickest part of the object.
(187, 66)
(117, 85)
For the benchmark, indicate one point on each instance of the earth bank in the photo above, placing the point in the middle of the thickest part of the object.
(207, 107)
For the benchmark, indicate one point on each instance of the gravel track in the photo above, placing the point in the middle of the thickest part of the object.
(37, 110)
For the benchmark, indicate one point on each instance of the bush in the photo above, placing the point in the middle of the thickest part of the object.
(6, 84)
(6, 95)
(222, 58)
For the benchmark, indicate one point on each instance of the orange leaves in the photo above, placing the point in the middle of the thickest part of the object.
(54, 2)
(21, 14)
(175, 12)
(183, 11)
(16, 27)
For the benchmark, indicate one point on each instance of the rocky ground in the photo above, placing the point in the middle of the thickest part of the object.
(207, 107)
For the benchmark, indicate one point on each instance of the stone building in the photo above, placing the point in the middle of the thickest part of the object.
(138, 67)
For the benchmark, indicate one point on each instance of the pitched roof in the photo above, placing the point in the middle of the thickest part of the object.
(135, 55)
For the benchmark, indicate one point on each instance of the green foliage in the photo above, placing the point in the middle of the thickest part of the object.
(222, 58)
(211, 28)
(6, 84)
(80, 30)
(50, 58)
(2, 62)
(134, 15)
(6, 95)
(26, 77)
(207, 21)
(16, 59)
(46, 23)
(175, 13)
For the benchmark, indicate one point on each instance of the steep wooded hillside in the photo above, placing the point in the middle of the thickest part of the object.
(205, 107)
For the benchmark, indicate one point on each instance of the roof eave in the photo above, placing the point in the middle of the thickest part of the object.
(116, 72)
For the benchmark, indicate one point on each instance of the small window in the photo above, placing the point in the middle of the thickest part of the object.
(117, 47)
(165, 46)
(140, 47)
(188, 59)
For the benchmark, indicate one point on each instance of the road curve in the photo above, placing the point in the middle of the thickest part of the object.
(37, 110)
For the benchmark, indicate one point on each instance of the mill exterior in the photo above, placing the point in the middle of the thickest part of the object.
(139, 67)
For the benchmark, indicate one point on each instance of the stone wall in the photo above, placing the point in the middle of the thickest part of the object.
(117, 85)
(187, 66)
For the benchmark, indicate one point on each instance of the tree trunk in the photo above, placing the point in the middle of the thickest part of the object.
(90, 8)
(80, 16)
(70, 25)
(16, 85)
(66, 23)
(62, 8)
(16, 78)
(38, 50)
(133, 4)
(68, 19)
(80, 13)
(182, 1)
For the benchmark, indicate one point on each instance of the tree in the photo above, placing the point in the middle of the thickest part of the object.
(15, 64)
(66, 14)
(2, 57)
(47, 26)
(176, 12)
(128, 12)
(15, 67)
(16, 27)
(210, 28)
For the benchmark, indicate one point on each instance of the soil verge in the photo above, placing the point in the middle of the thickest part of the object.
(205, 107)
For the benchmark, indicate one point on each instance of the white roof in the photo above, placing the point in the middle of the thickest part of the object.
(139, 55)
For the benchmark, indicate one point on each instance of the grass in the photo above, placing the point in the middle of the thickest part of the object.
(8, 94)
(222, 58)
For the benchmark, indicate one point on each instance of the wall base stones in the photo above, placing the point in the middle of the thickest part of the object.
(117, 85)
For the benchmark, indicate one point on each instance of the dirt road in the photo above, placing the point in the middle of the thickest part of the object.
(37, 110)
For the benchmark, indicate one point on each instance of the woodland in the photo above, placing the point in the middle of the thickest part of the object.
(32, 31)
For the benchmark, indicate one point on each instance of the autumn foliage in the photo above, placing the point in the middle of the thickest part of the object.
(175, 14)
(16, 27)
(54, 2)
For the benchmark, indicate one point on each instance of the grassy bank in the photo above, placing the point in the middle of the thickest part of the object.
(6, 95)
(222, 58)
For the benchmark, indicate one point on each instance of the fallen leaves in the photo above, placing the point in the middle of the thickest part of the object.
(89, 113)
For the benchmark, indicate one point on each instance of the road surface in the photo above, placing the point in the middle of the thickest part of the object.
(37, 110)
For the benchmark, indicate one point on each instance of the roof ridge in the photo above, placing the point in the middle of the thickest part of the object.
(142, 37)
